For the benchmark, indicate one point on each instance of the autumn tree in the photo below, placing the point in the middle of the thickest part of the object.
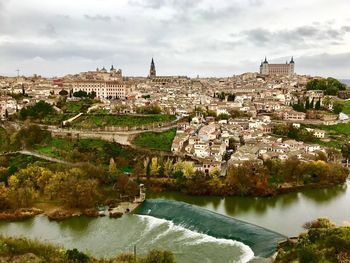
(154, 166)
(168, 167)
(112, 169)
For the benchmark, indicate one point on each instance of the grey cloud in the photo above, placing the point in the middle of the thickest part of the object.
(325, 64)
(158, 4)
(48, 30)
(346, 28)
(98, 18)
(300, 36)
(55, 50)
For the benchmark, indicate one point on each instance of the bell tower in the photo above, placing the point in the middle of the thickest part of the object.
(152, 70)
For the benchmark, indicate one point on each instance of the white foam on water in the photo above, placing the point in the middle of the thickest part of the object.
(195, 237)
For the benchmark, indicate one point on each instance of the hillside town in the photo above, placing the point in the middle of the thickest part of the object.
(222, 121)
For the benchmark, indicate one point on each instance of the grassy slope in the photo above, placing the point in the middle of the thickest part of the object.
(346, 108)
(88, 150)
(3, 139)
(156, 141)
(95, 121)
(26, 250)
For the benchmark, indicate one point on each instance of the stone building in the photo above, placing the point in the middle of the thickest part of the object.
(107, 85)
(104, 89)
(277, 69)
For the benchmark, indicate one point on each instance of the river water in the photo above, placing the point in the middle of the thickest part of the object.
(199, 235)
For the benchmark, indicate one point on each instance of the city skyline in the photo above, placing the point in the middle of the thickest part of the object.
(184, 37)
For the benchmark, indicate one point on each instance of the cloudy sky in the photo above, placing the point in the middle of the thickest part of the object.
(185, 37)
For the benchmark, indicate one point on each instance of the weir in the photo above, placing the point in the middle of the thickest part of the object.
(262, 241)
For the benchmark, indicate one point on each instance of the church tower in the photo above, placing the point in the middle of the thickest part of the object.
(152, 71)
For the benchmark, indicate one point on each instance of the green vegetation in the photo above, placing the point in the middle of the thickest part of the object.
(330, 86)
(151, 109)
(26, 250)
(84, 94)
(337, 134)
(75, 107)
(221, 96)
(45, 113)
(87, 150)
(4, 140)
(99, 121)
(29, 136)
(37, 111)
(156, 140)
(299, 134)
(323, 242)
(345, 106)
(248, 179)
(340, 128)
(10, 164)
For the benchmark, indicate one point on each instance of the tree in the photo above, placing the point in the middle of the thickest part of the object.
(63, 92)
(312, 103)
(215, 172)
(318, 105)
(338, 107)
(4, 202)
(327, 102)
(223, 116)
(92, 95)
(188, 169)
(112, 169)
(345, 150)
(147, 167)
(154, 166)
(122, 183)
(80, 94)
(168, 167)
(307, 104)
(157, 256)
(38, 111)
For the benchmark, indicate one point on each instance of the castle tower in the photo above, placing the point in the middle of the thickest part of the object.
(292, 66)
(152, 71)
(264, 67)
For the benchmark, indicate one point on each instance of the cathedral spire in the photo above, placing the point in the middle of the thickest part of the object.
(152, 71)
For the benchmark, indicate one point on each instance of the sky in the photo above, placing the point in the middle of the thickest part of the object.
(186, 37)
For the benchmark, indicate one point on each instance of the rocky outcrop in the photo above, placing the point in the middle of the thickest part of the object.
(19, 214)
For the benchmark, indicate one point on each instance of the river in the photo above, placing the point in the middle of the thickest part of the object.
(105, 237)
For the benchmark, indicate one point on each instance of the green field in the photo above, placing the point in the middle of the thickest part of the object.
(346, 108)
(99, 121)
(156, 140)
(84, 150)
(337, 129)
(77, 106)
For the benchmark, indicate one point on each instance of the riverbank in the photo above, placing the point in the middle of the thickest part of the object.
(20, 214)
(164, 185)
(26, 250)
(323, 242)
(59, 212)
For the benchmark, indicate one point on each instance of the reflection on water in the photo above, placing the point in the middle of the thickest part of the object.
(326, 195)
(278, 211)
(75, 224)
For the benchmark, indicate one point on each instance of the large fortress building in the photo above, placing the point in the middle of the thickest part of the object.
(107, 85)
(277, 69)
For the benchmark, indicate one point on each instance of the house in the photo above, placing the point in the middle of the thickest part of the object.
(292, 115)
